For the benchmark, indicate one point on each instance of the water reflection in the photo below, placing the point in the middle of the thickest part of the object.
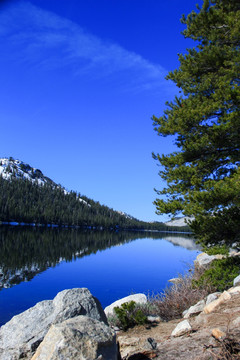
(25, 252)
(183, 241)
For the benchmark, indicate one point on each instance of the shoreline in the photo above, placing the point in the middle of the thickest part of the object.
(86, 227)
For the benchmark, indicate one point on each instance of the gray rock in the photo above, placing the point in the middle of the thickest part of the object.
(20, 337)
(236, 281)
(212, 297)
(182, 328)
(153, 319)
(234, 290)
(138, 298)
(116, 329)
(236, 322)
(195, 309)
(212, 306)
(78, 338)
(234, 253)
(204, 260)
(128, 346)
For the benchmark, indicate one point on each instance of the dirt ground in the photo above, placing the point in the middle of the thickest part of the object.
(155, 342)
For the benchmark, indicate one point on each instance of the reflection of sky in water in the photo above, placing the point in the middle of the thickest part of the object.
(143, 265)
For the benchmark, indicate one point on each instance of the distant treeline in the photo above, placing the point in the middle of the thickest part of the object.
(25, 201)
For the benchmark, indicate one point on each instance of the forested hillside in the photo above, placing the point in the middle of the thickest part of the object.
(22, 200)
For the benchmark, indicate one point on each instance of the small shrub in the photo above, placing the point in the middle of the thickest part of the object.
(129, 315)
(220, 275)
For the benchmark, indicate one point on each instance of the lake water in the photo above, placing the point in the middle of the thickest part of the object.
(35, 264)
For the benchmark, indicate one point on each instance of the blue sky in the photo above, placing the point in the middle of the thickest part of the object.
(80, 81)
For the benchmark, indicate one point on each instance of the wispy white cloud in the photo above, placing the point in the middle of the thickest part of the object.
(44, 39)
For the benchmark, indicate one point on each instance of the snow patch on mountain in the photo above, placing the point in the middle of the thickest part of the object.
(11, 168)
(127, 216)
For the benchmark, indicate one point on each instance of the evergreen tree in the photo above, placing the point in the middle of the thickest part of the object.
(203, 176)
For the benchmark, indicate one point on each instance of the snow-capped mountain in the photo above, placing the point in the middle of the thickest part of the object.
(11, 168)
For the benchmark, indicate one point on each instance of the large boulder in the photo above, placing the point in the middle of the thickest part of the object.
(138, 298)
(20, 337)
(204, 260)
(78, 338)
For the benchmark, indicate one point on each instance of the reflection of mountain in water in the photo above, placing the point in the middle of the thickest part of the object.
(183, 241)
(25, 252)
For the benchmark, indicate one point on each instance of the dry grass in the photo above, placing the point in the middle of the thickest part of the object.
(178, 297)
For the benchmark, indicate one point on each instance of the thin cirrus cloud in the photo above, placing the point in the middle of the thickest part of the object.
(46, 40)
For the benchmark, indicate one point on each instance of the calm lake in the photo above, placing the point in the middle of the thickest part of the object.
(36, 263)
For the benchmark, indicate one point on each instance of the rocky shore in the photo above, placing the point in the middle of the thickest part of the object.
(199, 335)
(74, 326)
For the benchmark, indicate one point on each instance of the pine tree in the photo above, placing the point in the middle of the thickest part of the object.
(203, 176)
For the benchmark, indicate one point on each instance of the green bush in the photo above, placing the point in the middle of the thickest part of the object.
(129, 315)
(215, 250)
(220, 275)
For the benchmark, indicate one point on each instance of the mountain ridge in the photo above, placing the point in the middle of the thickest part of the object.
(10, 167)
(28, 196)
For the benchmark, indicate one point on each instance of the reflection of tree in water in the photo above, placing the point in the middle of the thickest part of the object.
(24, 252)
